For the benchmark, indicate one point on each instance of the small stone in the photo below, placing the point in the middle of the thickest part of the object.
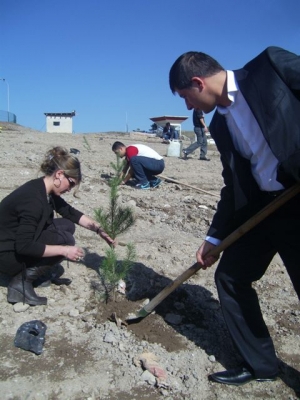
(178, 305)
(121, 347)
(131, 203)
(74, 313)
(148, 377)
(109, 338)
(20, 307)
(173, 319)
(188, 199)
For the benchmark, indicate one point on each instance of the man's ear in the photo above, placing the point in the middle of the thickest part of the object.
(198, 82)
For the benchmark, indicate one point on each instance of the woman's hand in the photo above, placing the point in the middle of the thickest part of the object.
(74, 253)
(107, 238)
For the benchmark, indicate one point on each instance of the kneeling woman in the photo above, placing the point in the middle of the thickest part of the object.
(31, 239)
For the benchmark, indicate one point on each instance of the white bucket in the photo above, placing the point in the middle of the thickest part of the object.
(174, 148)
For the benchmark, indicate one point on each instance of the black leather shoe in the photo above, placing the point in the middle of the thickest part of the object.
(238, 377)
(62, 281)
(204, 159)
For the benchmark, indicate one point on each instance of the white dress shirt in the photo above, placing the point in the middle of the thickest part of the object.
(248, 140)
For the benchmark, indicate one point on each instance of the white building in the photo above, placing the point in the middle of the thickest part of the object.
(59, 122)
(173, 120)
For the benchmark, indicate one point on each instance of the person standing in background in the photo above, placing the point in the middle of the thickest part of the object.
(200, 130)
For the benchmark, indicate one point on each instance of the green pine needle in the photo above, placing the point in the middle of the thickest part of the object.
(115, 220)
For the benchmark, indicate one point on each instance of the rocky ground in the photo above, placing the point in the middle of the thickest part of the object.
(88, 356)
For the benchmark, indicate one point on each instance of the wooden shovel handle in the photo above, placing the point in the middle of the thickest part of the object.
(235, 235)
(185, 184)
(256, 219)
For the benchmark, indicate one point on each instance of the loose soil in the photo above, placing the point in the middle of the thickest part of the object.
(86, 355)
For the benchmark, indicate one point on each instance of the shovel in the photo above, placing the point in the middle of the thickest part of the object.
(185, 184)
(234, 236)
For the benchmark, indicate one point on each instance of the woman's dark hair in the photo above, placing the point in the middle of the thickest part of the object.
(189, 65)
(59, 158)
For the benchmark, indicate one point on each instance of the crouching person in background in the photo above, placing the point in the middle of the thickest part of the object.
(143, 163)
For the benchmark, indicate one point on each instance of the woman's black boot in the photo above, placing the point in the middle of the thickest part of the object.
(20, 289)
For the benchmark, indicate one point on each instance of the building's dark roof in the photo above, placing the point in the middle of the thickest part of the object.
(70, 114)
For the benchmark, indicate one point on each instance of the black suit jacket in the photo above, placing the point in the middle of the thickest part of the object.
(270, 84)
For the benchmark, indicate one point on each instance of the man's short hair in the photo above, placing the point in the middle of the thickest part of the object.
(117, 146)
(189, 65)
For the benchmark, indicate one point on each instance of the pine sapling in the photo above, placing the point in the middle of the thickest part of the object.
(115, 220)
(86, 143)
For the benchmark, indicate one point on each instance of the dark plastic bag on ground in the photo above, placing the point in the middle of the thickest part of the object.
(31, 336)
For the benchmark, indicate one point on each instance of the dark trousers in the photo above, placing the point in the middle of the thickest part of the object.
(245, 262)
(60, 232)
(146, 168)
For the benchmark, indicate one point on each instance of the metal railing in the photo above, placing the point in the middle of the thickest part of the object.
(6, 116)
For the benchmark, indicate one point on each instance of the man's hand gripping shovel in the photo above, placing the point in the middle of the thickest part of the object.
(244, 228)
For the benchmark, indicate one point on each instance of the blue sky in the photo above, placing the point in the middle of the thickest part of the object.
(110, 60)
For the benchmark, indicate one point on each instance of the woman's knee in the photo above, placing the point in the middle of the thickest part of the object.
(64, 224)
(69, 239)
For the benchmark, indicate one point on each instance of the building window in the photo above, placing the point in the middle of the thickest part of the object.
(56, 123)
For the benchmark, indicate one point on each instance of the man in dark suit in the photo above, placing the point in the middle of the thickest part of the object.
(256, 128)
